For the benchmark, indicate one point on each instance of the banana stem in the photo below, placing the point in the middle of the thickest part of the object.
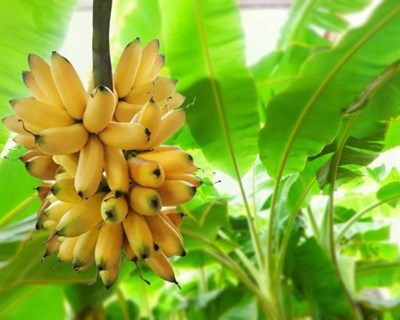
(102, 74)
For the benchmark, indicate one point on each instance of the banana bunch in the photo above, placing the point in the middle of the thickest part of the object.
(110, 187)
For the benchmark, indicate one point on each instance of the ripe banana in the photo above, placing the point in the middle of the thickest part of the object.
(165, 236)
(138, 234)
(145, 201)
(125, 136)
(90, 167)
(170, 123)
(192, 179)
(110, 276)
(65, 191)
(177, 161)
(29, 155)
(33, 87)
(174, 217)
(141, 94)
(39, 114)
(155, 70)
(43, 77)
(99, 110)
(150, 118)
(127, 67)
(125, 111)
(63, 140)
(108, 247)
(14, 124)
(69, 162)
(41, 167)
(66, 250)
(113, 208)
(128, 251)
(174, 101)
(176, 192)
(52, 246)
(81, 218)
(26, 141)
(147, 173)
(84, 249)
(164, 88)
(69, 85)
(116, 170)
(161, 267)
(147, 61)
(57, 209)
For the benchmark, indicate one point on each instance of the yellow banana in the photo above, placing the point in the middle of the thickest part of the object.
(16, 125)
(127, 67)
(69, 162)
(90, 167)
(52, 246)
(126, 136)
(108, 246)
(84, 249)
(41, 167)
(176, 192)
(145, 201)
(81, 218)
(161, 267)
(128, 251)
(66, 250)
(138, 234)
(40, 217)
(170, 123)
(141, 94)
(40, 114)
(147, 61)
(57, 209)
(62, 174)
(171, 160)
(192, 179)
(150, 118)
(99, 110)
(175, 101)
(44, 192)
(165, 236)
(65, 191)
(164, 88)
(155, 70)
(125, 111)
(113, 208)
(33, 87)
(69, 85)
(116, 169)
(110, 276)
(43, 77)
(174, 217)
(147, 173)
(29, 155)
(26, 141)
(165, 147)
(64, 140)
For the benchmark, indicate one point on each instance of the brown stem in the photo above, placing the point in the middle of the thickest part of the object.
(102, 74)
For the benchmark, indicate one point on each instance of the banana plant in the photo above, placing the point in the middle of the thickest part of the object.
(308, 228)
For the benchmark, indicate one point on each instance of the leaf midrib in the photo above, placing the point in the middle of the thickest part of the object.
(323, 85)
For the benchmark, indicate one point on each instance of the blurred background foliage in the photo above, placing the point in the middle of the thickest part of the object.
(309, 226)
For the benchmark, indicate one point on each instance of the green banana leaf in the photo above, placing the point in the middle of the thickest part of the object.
(41, 27)
(306, 117)
(307, 16)
(205, 52)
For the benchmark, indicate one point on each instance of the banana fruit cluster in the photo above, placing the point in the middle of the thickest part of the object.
(110, 187)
